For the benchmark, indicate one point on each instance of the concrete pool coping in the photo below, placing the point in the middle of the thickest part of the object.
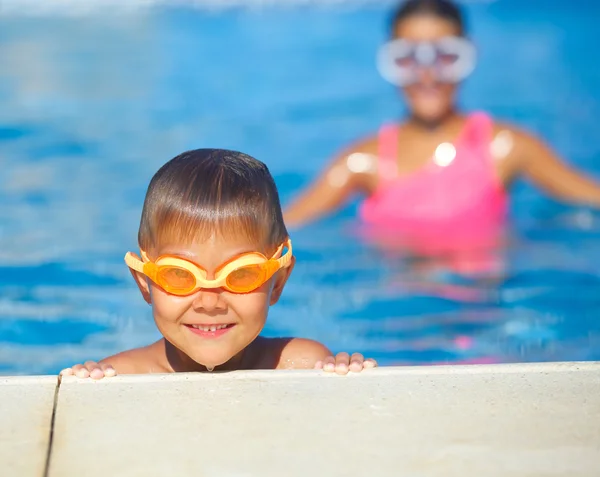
(480, 420)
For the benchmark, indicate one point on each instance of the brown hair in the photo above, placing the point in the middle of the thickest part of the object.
(444, 9)
(212, 191)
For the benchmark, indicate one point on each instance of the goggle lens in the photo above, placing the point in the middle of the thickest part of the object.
(176, 279)
(447, 59)
(246, 279)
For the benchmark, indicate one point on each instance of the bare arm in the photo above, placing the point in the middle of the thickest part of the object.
(135, 361)
(301, 353)
(332, 189)
(546, 170)
(128, 362)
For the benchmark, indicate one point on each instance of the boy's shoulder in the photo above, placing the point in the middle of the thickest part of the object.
(136, 361)
(293, 353)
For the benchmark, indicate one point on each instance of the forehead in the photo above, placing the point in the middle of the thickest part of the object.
(425, 28)
(213, 250)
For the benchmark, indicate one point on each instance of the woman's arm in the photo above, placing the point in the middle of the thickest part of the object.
(343, 178)
(546, 170)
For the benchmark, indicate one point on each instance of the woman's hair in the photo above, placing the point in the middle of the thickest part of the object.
(208, 192)
(443, 9)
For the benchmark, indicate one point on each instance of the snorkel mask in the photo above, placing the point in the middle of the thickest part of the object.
(450, 59)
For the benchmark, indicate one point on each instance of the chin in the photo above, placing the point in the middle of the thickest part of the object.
(212, 360)
(430, 109)
(429, 119)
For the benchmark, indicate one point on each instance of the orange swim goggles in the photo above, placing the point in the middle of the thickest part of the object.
(241, 274)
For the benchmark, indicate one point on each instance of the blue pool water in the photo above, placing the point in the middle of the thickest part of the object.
(93, 104)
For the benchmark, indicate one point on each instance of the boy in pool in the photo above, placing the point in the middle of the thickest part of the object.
(215, 255)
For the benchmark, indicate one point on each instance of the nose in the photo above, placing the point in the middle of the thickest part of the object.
(426, 75)
(209, 300)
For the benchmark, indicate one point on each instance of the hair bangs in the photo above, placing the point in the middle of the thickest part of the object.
(188, 225)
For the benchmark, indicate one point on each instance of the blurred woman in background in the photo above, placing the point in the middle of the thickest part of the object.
(437, 181)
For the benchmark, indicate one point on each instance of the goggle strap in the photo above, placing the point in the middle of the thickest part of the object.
(134, 263)
(285, 260)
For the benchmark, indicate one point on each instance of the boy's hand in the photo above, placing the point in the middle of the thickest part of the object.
(90, 369)
(343, 362)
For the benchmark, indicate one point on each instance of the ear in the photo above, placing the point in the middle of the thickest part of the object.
(281, 279)
(142, 282)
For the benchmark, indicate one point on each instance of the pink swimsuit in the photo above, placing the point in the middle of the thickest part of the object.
(447, 204)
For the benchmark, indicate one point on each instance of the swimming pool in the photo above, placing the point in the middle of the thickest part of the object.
(93, 104)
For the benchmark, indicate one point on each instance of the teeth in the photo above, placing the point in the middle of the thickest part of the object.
(209, 328)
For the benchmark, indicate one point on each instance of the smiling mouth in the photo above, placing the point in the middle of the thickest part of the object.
(210, 330)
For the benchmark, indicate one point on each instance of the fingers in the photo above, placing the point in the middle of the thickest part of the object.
(338, 364)
(370, 363)
(109, 371)
(96, 372)
(90, 369)
(356, 362)
(329, 364)
(343, 363)
(80, 371)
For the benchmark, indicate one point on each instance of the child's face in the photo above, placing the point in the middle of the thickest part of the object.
(189, 322)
